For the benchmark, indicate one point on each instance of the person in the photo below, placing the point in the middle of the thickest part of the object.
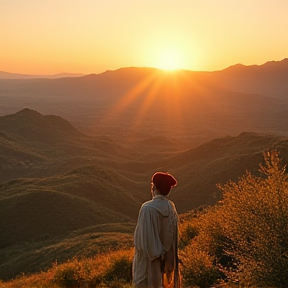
(155, 262)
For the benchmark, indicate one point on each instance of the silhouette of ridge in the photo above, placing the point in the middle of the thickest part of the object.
(32, 125)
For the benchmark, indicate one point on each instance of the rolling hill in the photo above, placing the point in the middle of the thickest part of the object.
(70, 181)
(31, 125)
(129, 101)
(218, 161)
(37, 256)
(83, 174)
(34, 145)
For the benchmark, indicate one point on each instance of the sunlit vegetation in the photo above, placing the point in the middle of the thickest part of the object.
(243, 239)
(239, 242)
(112, 269)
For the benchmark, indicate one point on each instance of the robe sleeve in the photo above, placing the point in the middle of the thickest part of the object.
(147, 239)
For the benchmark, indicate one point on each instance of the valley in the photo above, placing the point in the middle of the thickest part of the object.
(77, 154)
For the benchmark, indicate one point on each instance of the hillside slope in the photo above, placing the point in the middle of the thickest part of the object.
(37, 256)
(218, 161)
(269, 79)
(34, 126)
(50, 189)
(76, 184)
(34, 145)
(129, 101)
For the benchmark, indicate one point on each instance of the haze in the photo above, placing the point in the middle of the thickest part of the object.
(77, 153)
(92, 36)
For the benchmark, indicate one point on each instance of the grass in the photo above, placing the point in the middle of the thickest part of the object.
(104, 270)
(31, 257)
(82, 181)
(240, 241)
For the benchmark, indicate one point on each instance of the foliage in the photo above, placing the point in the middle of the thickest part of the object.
(112, 269)
(107, 268)
(198, 268)
(188, 231)
(242, 240)
(120, 268)
(245, 235)
(257, 224)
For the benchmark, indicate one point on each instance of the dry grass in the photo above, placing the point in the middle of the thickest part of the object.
(85, 243)
(104, 270)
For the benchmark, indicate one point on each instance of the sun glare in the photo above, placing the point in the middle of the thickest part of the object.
(170, 59)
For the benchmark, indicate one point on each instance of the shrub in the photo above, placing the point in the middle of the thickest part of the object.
(243, 238)
(120, 268)
(189, 230)
(255, 220)
(68, 274)
(110, 269)
(198, 268)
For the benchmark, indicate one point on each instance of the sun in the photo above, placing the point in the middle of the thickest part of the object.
(170, 59)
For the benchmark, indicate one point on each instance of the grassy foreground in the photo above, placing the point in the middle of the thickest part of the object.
(112, 269)
(240, 242)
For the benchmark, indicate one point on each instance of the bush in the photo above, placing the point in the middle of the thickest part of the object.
(198, 268)
(110, 269)
(242, 239)
(256, 219)
(188, 232)
(68, 274)
(120, 268)
(245, 235)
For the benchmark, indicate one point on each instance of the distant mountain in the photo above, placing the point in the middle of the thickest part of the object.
(34, 145)
(129, 101)
(8, 75)
(91, 166)
(269, 79)
(32, 125)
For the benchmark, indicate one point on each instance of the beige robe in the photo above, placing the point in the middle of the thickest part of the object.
(156, 234)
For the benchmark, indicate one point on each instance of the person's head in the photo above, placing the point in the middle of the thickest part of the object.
(163, 182)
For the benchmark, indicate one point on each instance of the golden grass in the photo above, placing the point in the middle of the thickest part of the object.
(85, 243)
(102, 270)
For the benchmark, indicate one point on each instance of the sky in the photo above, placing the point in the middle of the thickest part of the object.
(92, 36)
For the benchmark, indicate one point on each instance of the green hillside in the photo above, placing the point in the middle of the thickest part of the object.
(36, 256)
(50, 190)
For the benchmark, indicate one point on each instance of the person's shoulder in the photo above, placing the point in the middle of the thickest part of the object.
(147, 204)
(172, 205)
(149, 207)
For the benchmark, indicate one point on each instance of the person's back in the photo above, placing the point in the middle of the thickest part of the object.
(156, 261)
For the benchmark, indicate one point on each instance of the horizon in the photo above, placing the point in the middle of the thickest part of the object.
(91, 37)
(164, 70)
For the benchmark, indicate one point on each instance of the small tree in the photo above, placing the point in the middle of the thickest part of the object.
(255, 214)
(245, 236)
(198, 268)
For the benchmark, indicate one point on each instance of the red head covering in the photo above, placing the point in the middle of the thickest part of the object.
(164, 182)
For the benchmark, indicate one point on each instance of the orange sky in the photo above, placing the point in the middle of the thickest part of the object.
(92, 36)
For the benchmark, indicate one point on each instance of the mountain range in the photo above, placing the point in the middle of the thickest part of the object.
(8, 75)
(77, 154)
(129, 101)
(268, 79)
